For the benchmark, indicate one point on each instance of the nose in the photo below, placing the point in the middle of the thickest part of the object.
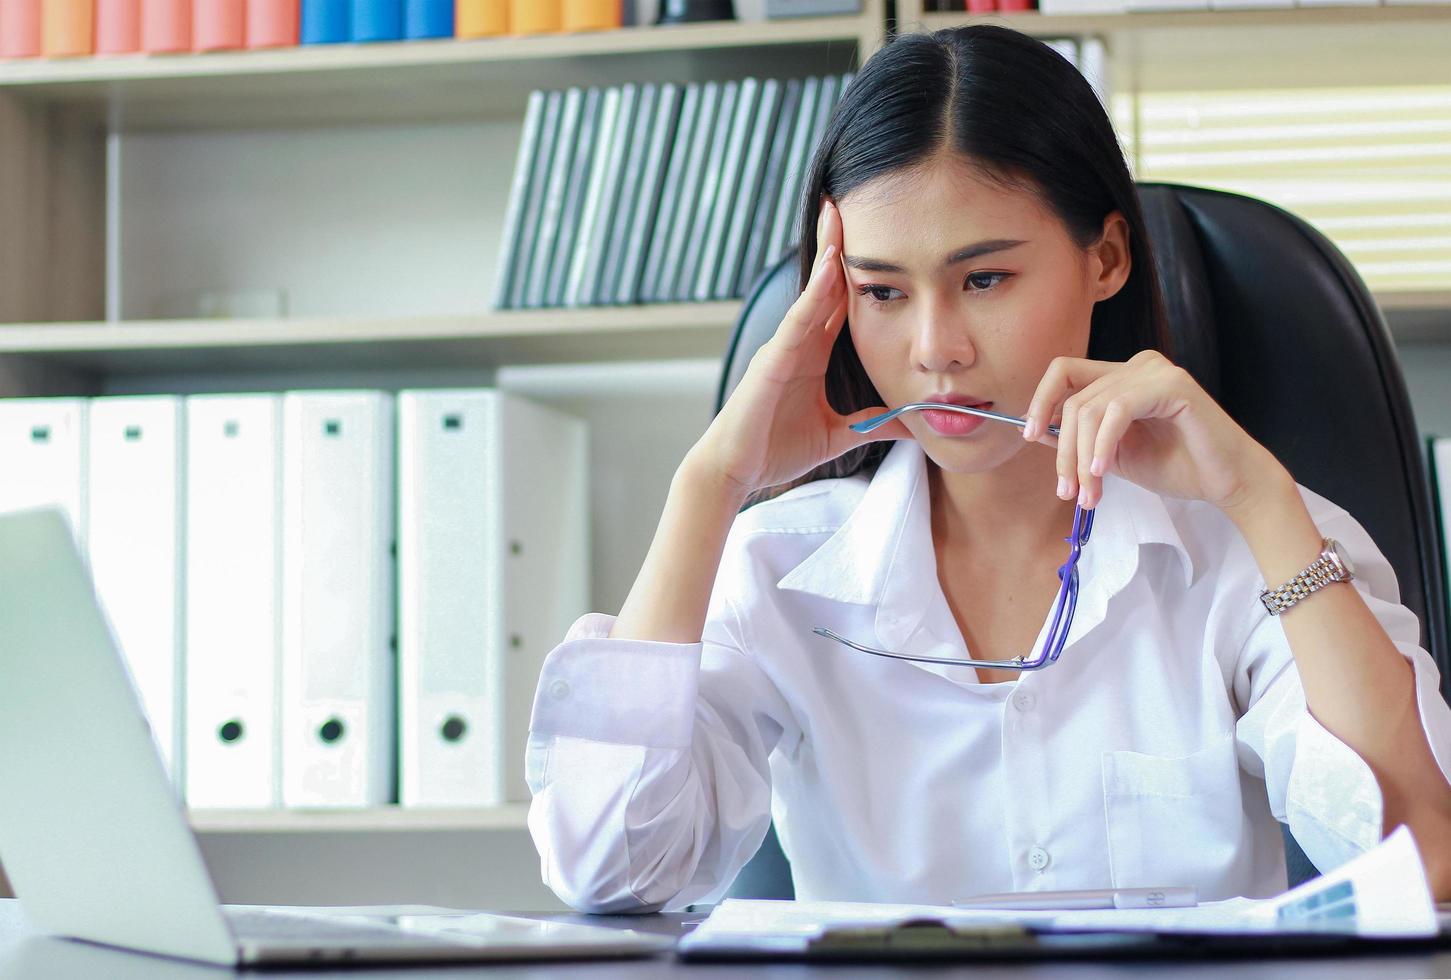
(942, 340)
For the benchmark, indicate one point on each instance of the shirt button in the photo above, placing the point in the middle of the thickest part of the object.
(1024, 701)
(1037, 859)
(559, 690)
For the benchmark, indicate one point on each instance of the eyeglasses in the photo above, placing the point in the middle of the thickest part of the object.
(1063, 606)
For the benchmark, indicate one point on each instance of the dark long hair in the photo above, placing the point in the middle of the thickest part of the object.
(1025, 117)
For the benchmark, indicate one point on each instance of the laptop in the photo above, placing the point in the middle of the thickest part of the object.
(95, 842)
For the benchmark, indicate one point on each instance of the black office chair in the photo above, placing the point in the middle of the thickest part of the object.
(1276, 324)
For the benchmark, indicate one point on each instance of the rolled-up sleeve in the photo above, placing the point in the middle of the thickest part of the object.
(1317, 784)
(648, 765)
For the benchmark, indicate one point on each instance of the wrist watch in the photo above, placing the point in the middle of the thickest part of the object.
(1333, 565)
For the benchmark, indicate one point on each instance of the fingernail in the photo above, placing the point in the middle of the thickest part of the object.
(829, 253)
(1096, 467)
(1083, 497)
(1030, 431)
(1063, 487)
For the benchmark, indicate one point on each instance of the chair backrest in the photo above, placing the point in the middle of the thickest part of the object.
(1275, 323)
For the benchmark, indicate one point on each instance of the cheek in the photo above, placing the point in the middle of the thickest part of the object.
(879, 353)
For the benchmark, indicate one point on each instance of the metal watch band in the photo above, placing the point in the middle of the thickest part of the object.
(1315, 576)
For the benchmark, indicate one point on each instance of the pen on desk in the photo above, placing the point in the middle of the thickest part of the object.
(1094, 898)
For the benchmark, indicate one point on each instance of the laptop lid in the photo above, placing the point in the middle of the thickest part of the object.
(93, 838)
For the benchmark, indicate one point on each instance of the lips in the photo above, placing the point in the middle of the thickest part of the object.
(953, 398)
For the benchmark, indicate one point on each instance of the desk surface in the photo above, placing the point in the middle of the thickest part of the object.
(24, 954)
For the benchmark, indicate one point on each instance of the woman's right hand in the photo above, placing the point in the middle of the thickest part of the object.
(777, 425)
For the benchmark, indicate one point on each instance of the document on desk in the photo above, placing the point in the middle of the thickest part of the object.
(1382, 893)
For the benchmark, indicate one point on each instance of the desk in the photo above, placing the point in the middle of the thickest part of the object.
(24, 955)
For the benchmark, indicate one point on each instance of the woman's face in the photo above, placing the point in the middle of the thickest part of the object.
(960, 289)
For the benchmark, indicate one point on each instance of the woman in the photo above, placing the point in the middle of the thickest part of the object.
(978, 240)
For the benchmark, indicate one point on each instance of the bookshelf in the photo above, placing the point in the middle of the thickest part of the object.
(507, 816)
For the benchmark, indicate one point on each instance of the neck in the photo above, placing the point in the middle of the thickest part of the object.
(1009, 512)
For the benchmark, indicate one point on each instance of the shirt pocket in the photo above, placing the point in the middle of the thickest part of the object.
(1176, 820)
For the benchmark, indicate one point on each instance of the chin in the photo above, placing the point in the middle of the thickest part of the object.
(969, 455)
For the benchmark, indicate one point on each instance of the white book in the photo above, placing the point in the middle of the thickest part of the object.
(492, 561)
(725, 190)
(233, 600)
(575, 292)
(1071, 8)
(134, 521)
(507, 266)
(798, 159)
(43, 456)
(337, 598)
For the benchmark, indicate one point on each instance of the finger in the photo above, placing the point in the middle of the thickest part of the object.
(1118, 415)
(1064, 376)
(821, 296)
(1076, 413)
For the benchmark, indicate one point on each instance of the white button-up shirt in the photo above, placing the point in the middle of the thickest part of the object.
(1160, 749)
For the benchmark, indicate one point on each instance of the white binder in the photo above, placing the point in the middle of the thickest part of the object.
(493, 567)
(134, 537)
(233, 599)
(43, 456)
(337, 599)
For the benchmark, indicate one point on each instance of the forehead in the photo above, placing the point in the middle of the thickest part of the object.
(937, 206)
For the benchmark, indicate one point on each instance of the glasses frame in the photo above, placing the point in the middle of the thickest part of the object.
(1062, 621)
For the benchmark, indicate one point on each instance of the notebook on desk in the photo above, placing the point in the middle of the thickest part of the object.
(1378, 901)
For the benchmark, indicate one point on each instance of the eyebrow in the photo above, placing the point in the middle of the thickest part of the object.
(972, 251)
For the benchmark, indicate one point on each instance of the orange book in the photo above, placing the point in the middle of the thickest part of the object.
(216, 25)
(272, 23)
(19, 28)
(480, 18)
(67, 27)
(590, 15)
(118, 26)
(534, 16)
(165, 25)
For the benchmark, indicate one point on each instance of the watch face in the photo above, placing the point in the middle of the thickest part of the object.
(1336, 548)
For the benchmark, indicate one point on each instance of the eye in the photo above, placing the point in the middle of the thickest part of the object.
(974, 281)
(878, 296)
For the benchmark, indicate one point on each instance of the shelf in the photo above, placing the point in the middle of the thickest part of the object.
(508, 816)
(1300, 47)
(481, 340)
(678, 330)
(423, 80)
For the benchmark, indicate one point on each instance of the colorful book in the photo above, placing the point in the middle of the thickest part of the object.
(376, 20)
(427, 18)
(118, 26)
(218, 25)
(272, 23)
(480, 18)
(165, 26)
(19, 28)
(67, 28)
(325, 21)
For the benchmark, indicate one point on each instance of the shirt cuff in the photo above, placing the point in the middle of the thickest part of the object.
(633, 692)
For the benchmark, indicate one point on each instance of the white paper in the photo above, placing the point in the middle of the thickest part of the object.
(1381, 893)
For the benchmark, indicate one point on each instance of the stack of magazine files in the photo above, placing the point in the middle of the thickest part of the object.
(651, 193)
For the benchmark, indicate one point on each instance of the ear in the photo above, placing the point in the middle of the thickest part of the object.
(1110, 260)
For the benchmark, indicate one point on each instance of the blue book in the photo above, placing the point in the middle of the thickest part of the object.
(325, 22)
(428, 18)
(377, 20)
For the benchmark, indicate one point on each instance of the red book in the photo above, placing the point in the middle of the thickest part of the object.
(216, 25)
(165, 25)
(981, 6)
(272, 23)
(19, 28)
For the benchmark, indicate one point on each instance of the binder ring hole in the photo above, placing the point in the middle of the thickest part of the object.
(230, 731)
(331, 731)
(454, 728)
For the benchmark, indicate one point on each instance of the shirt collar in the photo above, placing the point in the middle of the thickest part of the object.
(883, 555)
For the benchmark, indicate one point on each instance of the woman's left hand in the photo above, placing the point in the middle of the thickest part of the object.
(1147, 420)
